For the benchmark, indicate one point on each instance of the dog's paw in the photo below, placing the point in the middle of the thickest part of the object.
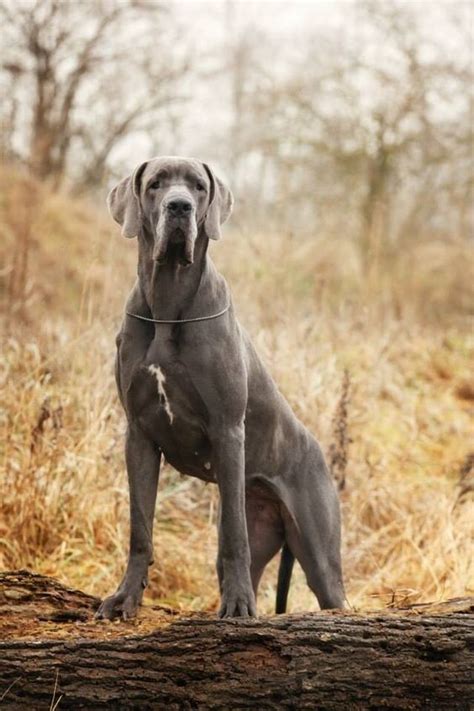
(120, 604)
(238, 603)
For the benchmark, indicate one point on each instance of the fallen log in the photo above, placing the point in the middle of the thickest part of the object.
(53, 654)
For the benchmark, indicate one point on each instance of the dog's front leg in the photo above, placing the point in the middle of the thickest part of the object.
(237, 596)
(143, 465)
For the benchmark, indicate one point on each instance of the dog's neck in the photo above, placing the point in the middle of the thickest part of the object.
(174, 291)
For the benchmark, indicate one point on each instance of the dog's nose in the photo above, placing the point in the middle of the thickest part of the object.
(179, 207)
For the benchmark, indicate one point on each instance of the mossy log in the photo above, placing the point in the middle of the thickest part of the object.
(53, 654)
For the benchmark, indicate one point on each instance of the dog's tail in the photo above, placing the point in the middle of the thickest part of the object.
(284, 576)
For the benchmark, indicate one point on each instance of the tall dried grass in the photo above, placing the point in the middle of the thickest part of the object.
(400, 435)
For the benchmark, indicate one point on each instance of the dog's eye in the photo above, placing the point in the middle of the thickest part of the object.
(200, 186)
(155, 185)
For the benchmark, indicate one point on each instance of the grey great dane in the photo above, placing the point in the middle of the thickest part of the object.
(195, 391)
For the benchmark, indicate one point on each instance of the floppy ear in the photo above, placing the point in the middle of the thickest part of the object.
(123, 202)
(220, 205)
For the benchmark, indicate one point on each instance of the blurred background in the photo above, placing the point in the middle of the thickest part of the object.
(345, 131)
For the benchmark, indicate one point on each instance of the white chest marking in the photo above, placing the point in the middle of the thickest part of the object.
(160, 379)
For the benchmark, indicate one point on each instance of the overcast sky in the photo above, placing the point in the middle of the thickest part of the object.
(287, 28)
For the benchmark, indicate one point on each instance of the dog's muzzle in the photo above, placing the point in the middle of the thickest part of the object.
(176, 231)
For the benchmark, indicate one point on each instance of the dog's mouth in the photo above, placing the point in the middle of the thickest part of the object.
(175, 244)
(177, 237)
(176, 250)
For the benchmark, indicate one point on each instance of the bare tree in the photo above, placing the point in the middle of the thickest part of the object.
(87, 74)
(369, 132)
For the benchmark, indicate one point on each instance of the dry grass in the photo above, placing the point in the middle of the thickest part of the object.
(398, 326)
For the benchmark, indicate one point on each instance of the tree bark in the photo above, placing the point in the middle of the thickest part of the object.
(54, 655)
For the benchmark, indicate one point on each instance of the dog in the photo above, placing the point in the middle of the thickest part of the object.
(195, 391)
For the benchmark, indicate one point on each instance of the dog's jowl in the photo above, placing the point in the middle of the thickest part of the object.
(195, 391)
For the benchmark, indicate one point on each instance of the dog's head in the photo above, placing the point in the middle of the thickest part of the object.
(175, 199)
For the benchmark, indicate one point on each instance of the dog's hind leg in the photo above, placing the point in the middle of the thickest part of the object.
(313, 531)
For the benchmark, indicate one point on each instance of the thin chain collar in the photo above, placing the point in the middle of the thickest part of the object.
(180, 320)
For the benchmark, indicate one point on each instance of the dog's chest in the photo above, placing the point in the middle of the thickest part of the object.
(171, 394)
(163, 394)
(172, 413)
